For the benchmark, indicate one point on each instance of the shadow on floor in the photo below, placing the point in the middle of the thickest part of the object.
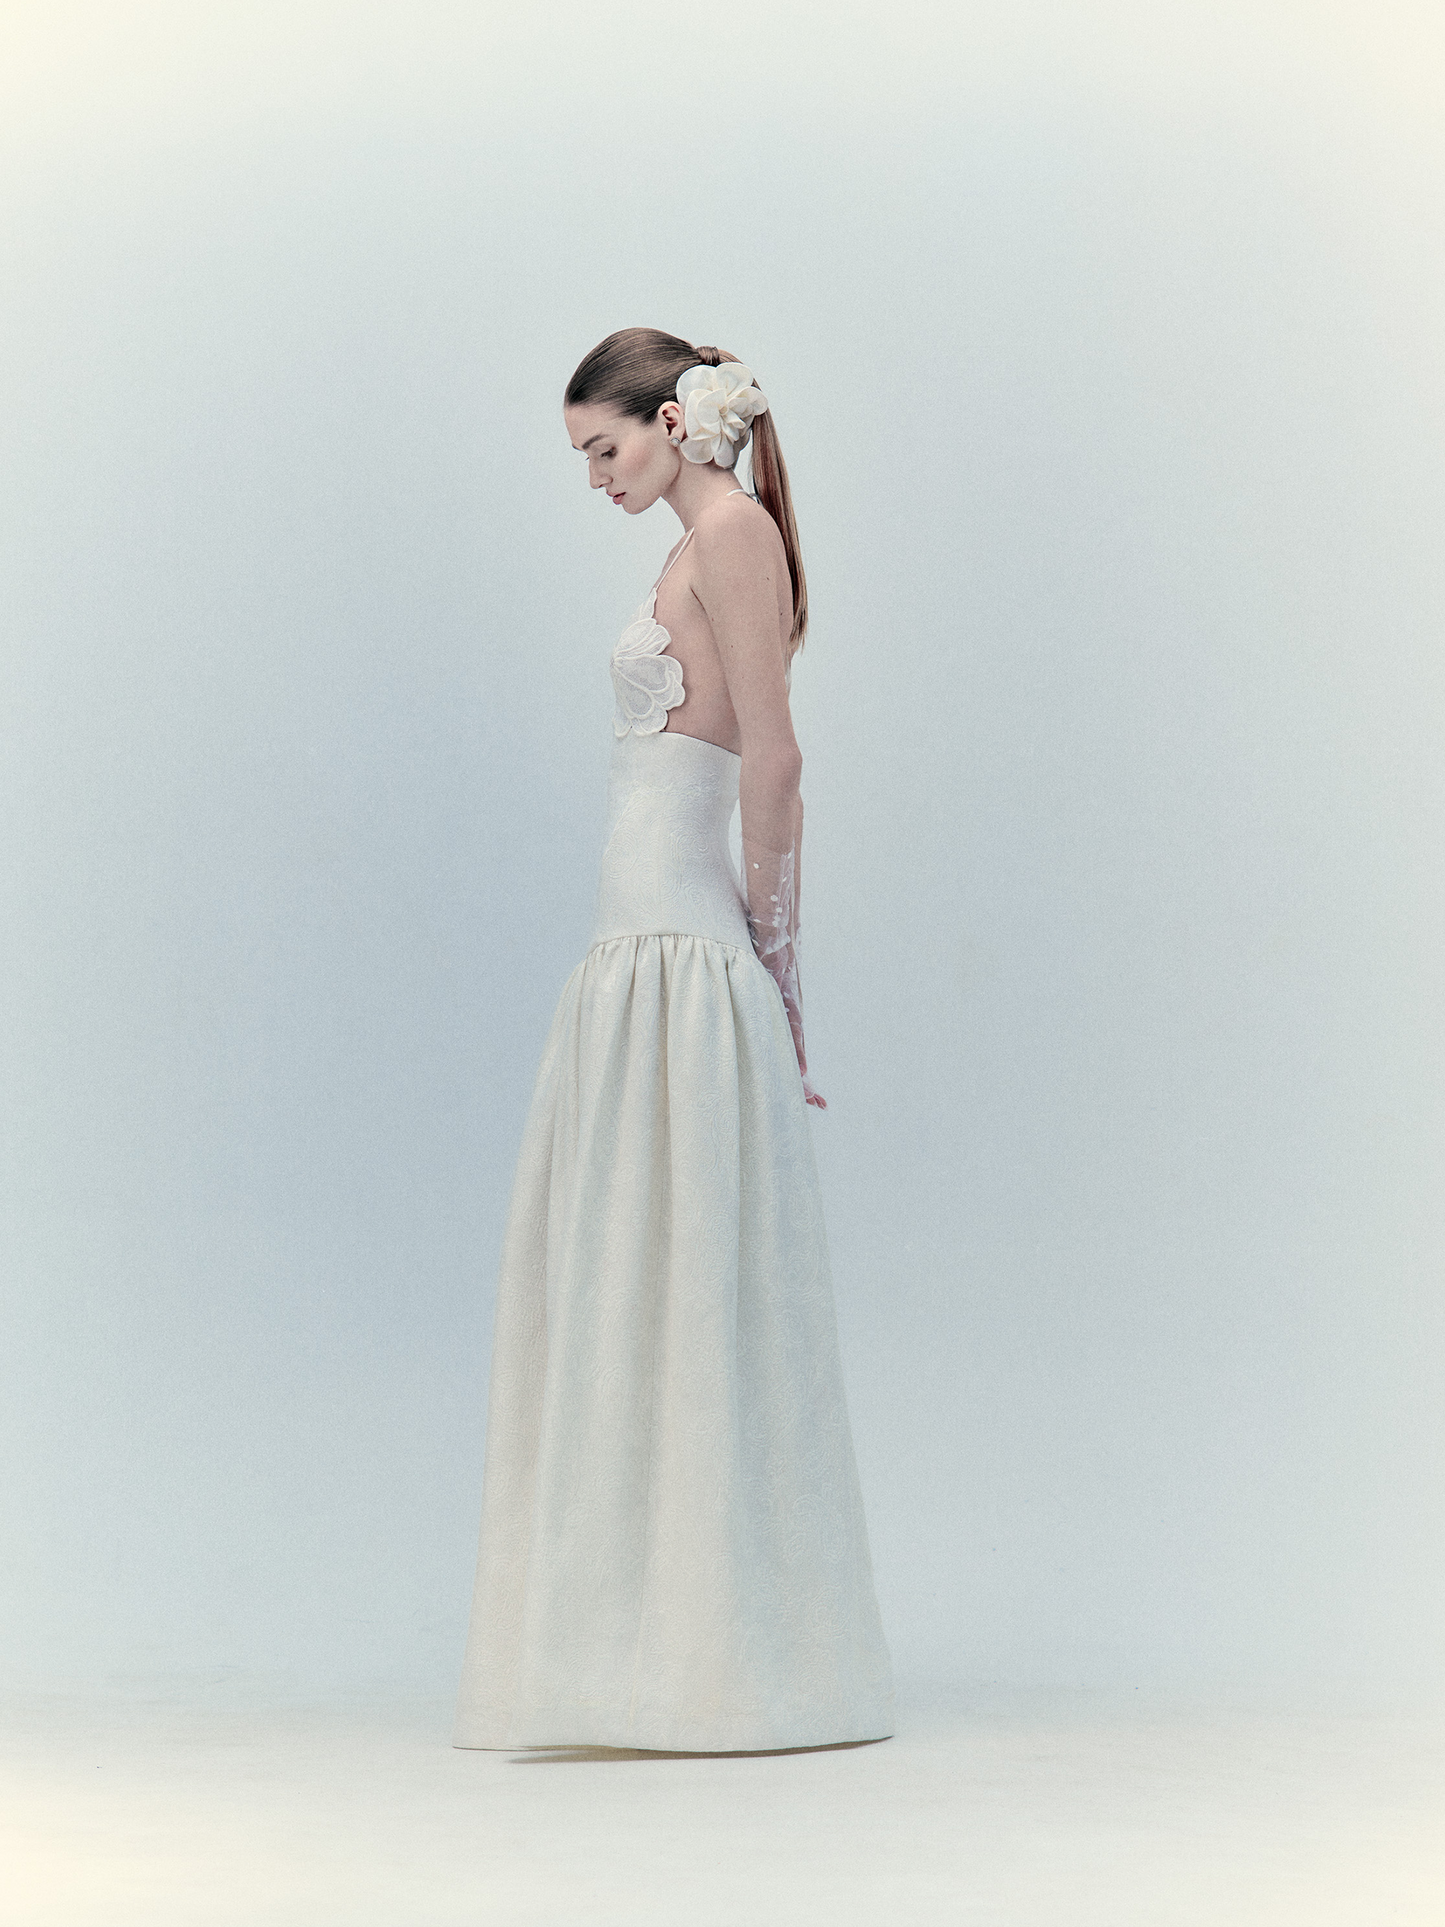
(588, 1755)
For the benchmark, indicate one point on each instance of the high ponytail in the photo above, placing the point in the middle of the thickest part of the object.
(636, 371)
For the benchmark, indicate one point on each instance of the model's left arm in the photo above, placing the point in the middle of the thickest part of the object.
(737, 569)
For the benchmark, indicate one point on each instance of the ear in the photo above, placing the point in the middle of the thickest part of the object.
(670, 415)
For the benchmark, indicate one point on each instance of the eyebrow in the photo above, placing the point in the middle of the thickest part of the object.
(584, 446)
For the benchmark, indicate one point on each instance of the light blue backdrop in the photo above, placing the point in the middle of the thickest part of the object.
(1103, 346)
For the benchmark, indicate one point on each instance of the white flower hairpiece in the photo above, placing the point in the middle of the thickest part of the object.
(719, 405)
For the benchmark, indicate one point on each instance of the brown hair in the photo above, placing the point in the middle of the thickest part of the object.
(636, 371)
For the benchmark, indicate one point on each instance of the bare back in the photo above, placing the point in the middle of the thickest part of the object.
(707, 709)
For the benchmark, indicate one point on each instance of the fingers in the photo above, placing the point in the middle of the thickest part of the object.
(810, 1096)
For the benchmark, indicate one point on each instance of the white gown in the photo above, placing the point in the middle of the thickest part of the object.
(673, 1551)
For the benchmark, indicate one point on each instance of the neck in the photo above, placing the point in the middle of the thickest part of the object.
(697, 485)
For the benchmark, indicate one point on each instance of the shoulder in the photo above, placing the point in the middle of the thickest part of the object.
(736, 533)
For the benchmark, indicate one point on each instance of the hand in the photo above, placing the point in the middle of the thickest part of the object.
(795, 1024)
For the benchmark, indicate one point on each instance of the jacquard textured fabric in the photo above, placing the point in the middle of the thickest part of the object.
(673, 1550)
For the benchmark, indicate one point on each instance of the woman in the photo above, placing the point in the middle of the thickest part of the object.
(673, 1552)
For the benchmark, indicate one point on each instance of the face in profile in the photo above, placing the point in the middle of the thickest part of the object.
(632, 460)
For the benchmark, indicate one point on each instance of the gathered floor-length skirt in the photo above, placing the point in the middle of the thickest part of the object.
(673, 1550)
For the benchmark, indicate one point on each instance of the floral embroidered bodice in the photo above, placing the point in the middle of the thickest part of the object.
(646, 680)
(647, 683)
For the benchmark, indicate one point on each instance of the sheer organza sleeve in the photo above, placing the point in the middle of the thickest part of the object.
(774, 887)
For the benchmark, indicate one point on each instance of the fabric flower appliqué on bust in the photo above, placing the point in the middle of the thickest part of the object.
(719, 405)
(645, 682)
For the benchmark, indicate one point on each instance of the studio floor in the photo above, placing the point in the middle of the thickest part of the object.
(216, 1805)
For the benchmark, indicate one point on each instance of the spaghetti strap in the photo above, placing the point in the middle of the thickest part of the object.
(659, 582)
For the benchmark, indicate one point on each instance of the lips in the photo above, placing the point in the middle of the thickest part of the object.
(618, 496)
